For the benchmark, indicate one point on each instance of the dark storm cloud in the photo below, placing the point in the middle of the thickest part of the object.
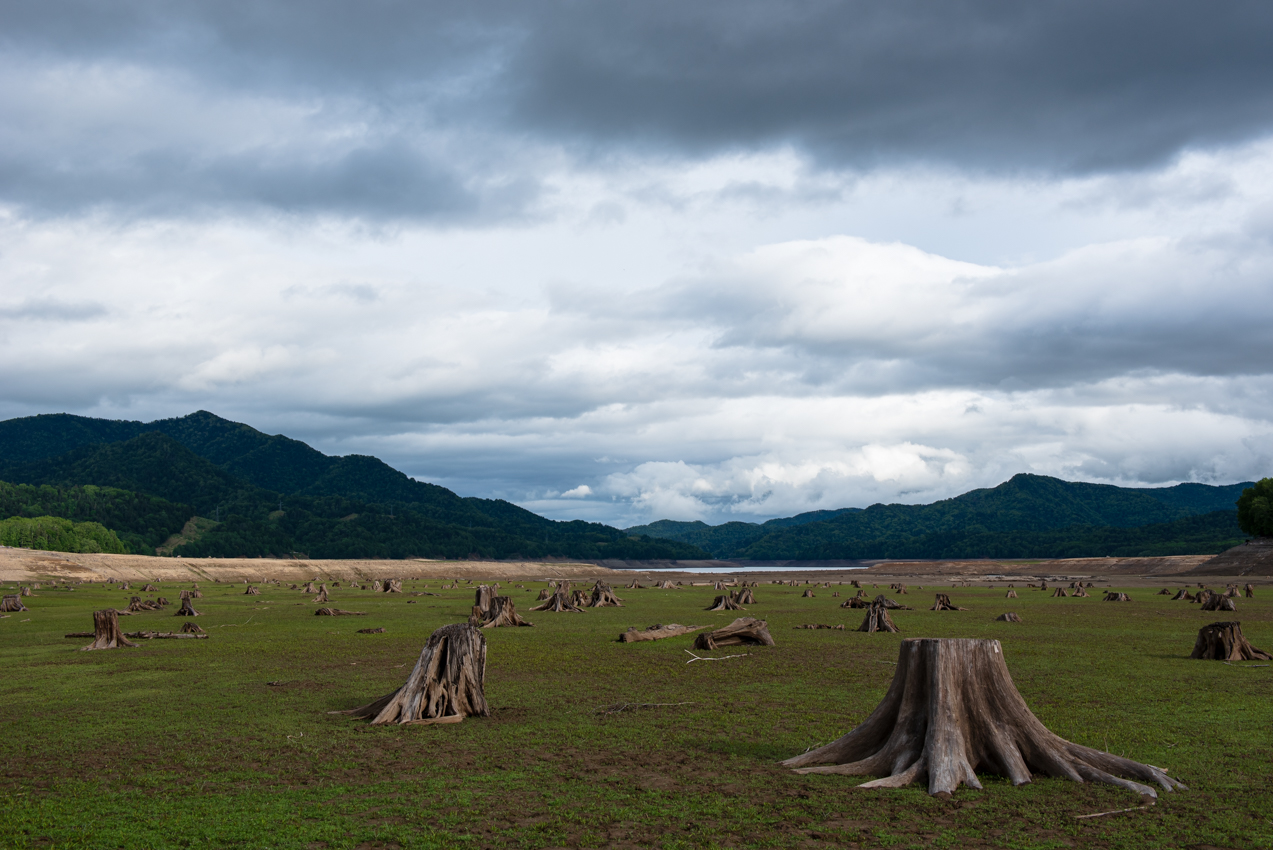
(1051, 87)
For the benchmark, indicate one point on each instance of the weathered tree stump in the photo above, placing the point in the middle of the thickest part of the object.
(502, 612)
(856, 583)
(309, 588)
(814, 626)
(106, 632)
(720, 585)
(12, 603)
(447, 684)
(1060, 591)
(635, 586)
(859, 601)
(322, 596)
(944, 604)
(808, 594)
(252, 590)
(578, 598)
(891, 604)
(24, 591)
(336, 612)
(877, 620)
(192, 628)
(1180, 594)
(544, 594)
(1011, 594)
(1080, 592)
(394, 585)
(149, 588)
(743, 631)
(376, 631)
(482, 600)
(1225, 642)
(559, 603)
(1203, 595)
(665, 585)
(1111, 596)
(1009, 618)
(1249, 591)
(1163, 592)
(1219, 602)
(186, 609)
(603, 597)
(376, 586)
(745, 597)
(657, 632)
(725, 602)
(952, 708)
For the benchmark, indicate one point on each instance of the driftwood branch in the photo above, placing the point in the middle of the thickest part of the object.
(722, 658)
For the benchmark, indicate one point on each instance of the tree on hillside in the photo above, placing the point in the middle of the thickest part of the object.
(1255, 509)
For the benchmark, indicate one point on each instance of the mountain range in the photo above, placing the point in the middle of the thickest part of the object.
(200, 485)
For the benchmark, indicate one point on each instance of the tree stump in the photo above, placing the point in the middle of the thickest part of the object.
(635, 586)
(309, 588)
(1203, 595)
(745, 597)
(891, 604)
(376, 587)
(1225, 642)
(944, 604)
(483, 598)
(743, 631)
(1011, 594)
(952, 708)
(1163, 592)
(877, 620)
(322, 595)
(720, 585)
(336, 612)
(665, 585)
(186, 609)
(252, 590)
(558, 603)
(578, 598)
(1249, 590)
(859, 601)
(657, 632)
(1060, 591)
(1043, 585)
(1180, 594)
(1080, 592)
(447, 684)
(12, 603)
(149, 588)
(1111, 596)
(24, 591)
(501, 612)
(725, 602)
(394, 585)
(808, 594)
(106, 633)
(856, 583)
(1219, 602)
(544, 594)
(603, 597)
(1009, 618)
(192, 628)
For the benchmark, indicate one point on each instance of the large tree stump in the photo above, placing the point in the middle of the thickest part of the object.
(745, 597)
(186, 609)
(1009, 618)
(558, 603)
(603, 597)
(447, 684)
(1219, 602)
(502, 612)
(578, 598)
(725, 602)
(1249, 590)
(952, 708)
(877, 620)
(743, 631)
(106, 633)
(12, 603)
(1225, 642)
(944, 604)
(657, 632)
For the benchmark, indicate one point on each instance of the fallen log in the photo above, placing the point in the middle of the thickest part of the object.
(336, 612)
(657, 632)
(1009, 618)
(952, 709)
(743, 631)
(819, 626)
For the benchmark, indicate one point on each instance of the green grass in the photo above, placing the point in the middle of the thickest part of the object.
(186, 744)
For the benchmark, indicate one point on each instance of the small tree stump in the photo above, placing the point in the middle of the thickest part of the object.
(1011, 594)
(743, 631)
(725, 602)
(1060, 591)
(1225, 642)
(944, 604)
(252, 590)
(657, 632)
(545, 593)
(186, 609)
(1219, 602)
(808, 594)
(665, 585)
(1180, 594)
(1009, 618)
(603, 597)
(149, 588)
(322, 595)
(952, 708)
(376, 586)
(336, 612)
(24, 591)
(859, 601)
(746, 597)
(1080, 592)
(447, 684)
(502, 612)
(192, 629)
(813, 626)
(12, 603)
(877, 620)
(856, 583)
(482, 600)
(394, 585)
(106, 632)
(559, 603)
(1163, 592)
(1203, 596)
(1111, 596)
(1249, 590)
(635, 586)
(376, 631)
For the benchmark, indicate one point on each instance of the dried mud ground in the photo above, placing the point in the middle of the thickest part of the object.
(228, 742)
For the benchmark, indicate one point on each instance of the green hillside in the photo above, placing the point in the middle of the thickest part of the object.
(273, 496)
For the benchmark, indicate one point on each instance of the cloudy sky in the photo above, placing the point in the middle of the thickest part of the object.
(625, 261)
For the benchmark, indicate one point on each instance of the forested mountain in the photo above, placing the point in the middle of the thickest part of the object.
(271, 495)
(730, 536)
(1025, 517)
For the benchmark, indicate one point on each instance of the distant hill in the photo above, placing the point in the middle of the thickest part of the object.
(272, 495)
(731, 536)
(1025, 517)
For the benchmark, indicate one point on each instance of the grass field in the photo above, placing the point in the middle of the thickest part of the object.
(227, 742)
